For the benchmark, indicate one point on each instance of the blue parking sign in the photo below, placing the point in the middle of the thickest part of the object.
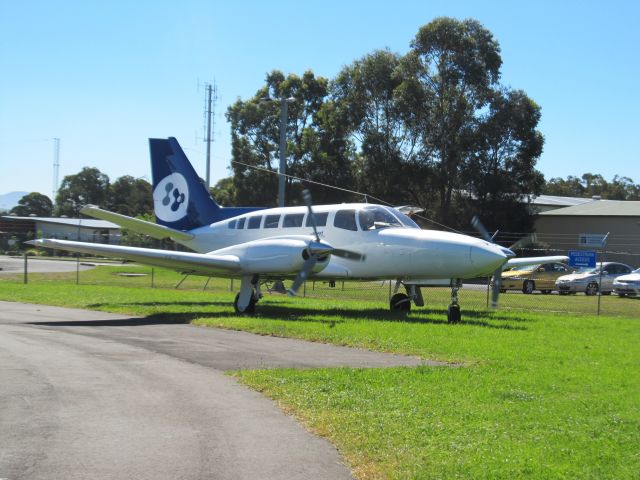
(582, 258)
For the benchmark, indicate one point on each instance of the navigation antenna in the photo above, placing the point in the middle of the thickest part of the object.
(210, 101)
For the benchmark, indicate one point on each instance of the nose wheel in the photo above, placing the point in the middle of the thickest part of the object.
(453, 312)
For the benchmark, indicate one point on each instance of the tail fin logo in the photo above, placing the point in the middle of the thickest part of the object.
(171, 198)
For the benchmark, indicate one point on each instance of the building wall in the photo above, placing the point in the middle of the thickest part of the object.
(563, 233)
(83, 234)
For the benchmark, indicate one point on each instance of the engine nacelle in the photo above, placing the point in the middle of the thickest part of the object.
(278, 256)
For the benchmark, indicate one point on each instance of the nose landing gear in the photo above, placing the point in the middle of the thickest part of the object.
(453, 312)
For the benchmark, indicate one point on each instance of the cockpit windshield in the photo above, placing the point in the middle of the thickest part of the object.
(406, 221)
(375, 217)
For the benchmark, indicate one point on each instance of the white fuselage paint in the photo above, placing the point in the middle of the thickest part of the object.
(399, 251)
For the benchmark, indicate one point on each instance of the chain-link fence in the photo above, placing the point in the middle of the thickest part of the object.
(516, 293)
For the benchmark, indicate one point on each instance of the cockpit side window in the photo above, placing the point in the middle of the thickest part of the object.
(375, 217)
(241, 223)
(345, 219)
(232, 223)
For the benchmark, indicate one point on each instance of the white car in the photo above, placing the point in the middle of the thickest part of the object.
(588, 280)
(627, 284)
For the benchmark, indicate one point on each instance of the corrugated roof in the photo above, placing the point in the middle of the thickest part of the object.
(600, 208)
(557, 201)
(75, 222)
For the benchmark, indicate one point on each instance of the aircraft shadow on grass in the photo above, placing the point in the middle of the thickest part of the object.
(330, 317)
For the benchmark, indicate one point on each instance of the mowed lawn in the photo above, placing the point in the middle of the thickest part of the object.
(533, 395)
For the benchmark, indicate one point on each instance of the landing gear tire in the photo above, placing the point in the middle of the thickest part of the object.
(400, 303)
(592, 289)
(251, 308)
(545, 292)
(453, 314)
(528, 287)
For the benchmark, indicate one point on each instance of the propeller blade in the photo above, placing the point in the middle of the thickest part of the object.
(347, 254)
(302, 275)
(495, 291)
(306, 195)
(477, 224)
(524, 241)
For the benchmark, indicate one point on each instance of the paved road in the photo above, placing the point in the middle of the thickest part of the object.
(95, 395)
(13, 265)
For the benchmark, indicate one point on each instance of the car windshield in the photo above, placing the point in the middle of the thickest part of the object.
(375, 217)
(524, 268)
(637, 270)
(587, 270)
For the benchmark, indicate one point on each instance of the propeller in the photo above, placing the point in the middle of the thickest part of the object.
(317, 249)
(497, 274)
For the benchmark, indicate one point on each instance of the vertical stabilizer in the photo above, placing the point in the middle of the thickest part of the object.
(180, 198)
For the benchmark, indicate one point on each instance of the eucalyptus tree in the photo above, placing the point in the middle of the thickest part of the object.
(316, 147)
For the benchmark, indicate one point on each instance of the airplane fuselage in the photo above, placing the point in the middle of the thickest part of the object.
(393, 245)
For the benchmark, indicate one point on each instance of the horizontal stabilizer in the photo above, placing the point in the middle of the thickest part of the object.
(140, 226)
(186, 262)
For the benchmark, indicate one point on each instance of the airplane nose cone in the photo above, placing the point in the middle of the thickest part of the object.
(488, 257)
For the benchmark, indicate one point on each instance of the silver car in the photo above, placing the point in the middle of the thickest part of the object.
(588, 280)
(627, 284)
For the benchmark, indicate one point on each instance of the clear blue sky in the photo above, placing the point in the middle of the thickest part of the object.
(104, 76)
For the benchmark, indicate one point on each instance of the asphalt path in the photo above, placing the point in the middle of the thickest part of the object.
(13, 265)
(88, 394)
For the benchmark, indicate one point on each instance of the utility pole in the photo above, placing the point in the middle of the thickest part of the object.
(212, 96)
(56, 167)
(284, 104)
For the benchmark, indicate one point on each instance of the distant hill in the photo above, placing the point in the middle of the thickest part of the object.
(10, 200)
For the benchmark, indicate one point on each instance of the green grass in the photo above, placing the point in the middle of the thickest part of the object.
(539, 395)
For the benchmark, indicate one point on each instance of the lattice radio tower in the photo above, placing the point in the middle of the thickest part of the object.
(56, 167)
(210, 101)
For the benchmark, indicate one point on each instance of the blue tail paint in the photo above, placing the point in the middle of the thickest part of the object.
(180, 198)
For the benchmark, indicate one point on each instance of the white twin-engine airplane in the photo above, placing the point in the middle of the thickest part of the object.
(355, 241)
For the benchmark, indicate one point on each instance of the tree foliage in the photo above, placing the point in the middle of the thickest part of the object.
(127, 195)
(33, 203)
(433, 127)
(130, 196)
(589, 185)
(316, 146)
(89, 186)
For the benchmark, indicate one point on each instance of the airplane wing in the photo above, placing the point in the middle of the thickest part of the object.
(517, 262)
(141, 226)
(186, 262)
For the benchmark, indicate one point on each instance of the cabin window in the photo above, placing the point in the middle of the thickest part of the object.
(254, 222)
(232, 224)
(293, 220)
(271, 221)
(345, 219)
(241, 223)
(321, 220)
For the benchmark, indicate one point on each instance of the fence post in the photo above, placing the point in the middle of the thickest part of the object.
(152, 277)
(77, 268)
(602, 252)
(25, 279)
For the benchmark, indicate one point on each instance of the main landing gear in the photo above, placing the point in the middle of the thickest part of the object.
(401, 302)
(245, 302)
